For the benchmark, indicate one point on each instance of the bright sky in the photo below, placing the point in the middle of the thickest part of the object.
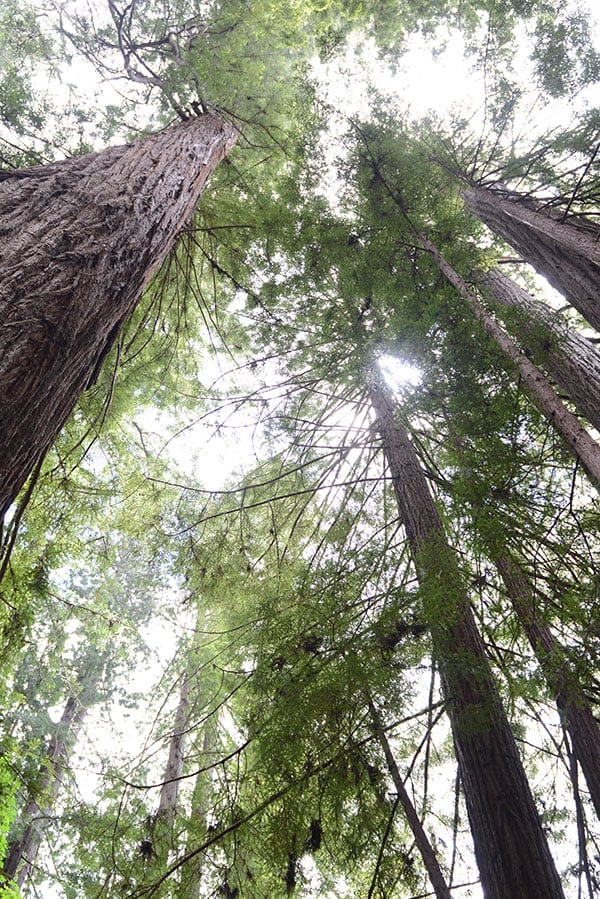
(425, 83)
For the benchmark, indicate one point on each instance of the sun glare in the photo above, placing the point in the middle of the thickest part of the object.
(399, 374)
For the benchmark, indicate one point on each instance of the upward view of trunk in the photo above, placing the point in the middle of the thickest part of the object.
(192, 745)
(562, 679)
(165, 828)
(190, 886)
(510, 846)
(79, 241)
(568, 357)
(167, 803)
(22, 853)
(583, 446)
(566, 252)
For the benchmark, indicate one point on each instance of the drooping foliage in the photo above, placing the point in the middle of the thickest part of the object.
(284, 608)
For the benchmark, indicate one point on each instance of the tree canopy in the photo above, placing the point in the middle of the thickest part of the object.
(303, 597)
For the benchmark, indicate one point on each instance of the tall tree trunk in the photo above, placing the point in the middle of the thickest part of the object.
(79, 241)
(583, 446)
(432, 866)
(510, 846)
(566, 252)
(167, 803)
(172, 826)
(22, 853)
(570, 359)
(190, 886)
(165, 827)
(571, 702)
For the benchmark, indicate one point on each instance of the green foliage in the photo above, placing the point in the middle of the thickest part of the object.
(7, 804)
(9, 891)
(291, 588)
(23, 51)
(564, 53)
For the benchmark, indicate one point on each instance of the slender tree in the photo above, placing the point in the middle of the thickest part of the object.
(563, 248)
(164, 826)
(510, 846)
(430, 861)
(540, 390)
(575, 710)
(167, 804)
(81, 238)
(570, 359)
(202, 798)
(171, 826)
(23, 851)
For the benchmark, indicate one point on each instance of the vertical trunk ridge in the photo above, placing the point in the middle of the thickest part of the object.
(79, 241)
(566, 252)
(510, 846)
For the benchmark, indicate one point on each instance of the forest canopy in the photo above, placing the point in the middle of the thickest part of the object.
(299, 449)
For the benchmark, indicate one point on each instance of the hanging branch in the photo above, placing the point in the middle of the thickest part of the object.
(424, 846)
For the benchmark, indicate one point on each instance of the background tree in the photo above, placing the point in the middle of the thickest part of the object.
(305, 559)
(567, 355)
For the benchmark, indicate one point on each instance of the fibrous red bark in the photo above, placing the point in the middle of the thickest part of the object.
(510, 846)
(568, 357)
(565, 250)
(581, 443)
(79, 241)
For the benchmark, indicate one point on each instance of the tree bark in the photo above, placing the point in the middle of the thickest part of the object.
(566, 252)
(510, 846)
(22, 853)
(167, 803)
(172, 825)
(432, 866)
(571, 702)
(79, 241)
(190, 886)
(583, 446)
(568, 357)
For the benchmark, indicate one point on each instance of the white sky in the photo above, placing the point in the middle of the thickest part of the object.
(424, 83)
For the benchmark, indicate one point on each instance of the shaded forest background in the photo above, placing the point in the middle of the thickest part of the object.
(303, 597)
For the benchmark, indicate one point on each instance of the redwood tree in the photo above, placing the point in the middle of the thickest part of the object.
(22, 852)
(561, 675)
(565, 249)
(570, 359)
(80, 239)
(510, 846)
(538, 387)
(169, 794)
